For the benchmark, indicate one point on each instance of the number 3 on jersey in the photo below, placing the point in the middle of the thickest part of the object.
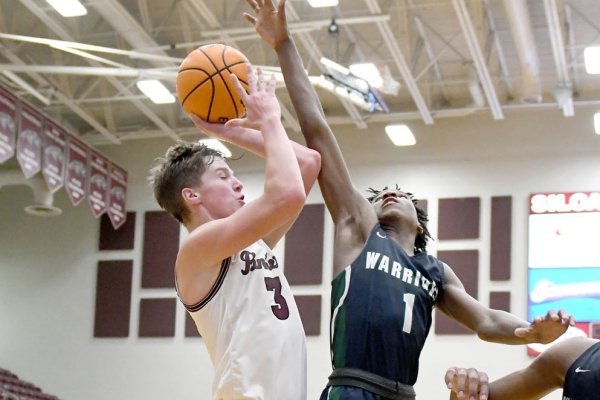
(280, 309)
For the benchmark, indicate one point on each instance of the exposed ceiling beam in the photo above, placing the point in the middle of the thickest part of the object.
(482, 71)
(401, 64)
(565, 85)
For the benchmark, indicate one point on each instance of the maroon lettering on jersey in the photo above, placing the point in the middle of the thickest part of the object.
(97, 183)
(117, 194)
(8, 124)
(54, 156)
(29, 141)
(76, 173)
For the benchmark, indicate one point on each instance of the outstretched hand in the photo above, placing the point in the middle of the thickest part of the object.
(270, 23)
(467, 383)
(260, 103)
(547, 329)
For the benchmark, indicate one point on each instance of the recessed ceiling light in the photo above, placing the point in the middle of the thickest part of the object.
(68, 8)
(216, 144)
(400, 135)
(597, 123)
(591, 56)
(322, 3)
(155, 91)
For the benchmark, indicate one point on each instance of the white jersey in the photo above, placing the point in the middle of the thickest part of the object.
(252, 329)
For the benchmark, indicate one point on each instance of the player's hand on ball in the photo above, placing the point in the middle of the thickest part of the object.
(261, 103)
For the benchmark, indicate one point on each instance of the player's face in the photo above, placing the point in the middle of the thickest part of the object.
(221, 191)
(394, 204)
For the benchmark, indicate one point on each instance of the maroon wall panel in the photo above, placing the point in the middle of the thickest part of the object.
(157, 318)
(113, 298)
(120, 239)
(500, 301)
(458, 218)
(304, 247)
(161, 243)
(190, 326)
(310, 312)
(500, 238)
(465, 264)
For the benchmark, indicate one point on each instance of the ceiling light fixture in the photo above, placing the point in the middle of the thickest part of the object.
(68, 8)
(597, 123)
(322, 3)
(592, 59)
(155, 91)
(369, 72)
(400, 135)
(333, 28)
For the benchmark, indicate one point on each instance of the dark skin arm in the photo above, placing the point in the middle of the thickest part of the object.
(352, 214)
(495, 325)
(544, 375)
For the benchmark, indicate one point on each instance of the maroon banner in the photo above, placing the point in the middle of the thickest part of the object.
(29, 141)
(8, 124)
(76, 174)
(117, 195)
(98, 183)
(53, 156)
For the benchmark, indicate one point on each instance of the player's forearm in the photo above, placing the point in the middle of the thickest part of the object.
(500, 328)
(302, 93)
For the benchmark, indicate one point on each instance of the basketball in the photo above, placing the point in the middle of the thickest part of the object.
(204, 83)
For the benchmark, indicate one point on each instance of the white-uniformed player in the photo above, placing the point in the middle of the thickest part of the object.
(226, 274)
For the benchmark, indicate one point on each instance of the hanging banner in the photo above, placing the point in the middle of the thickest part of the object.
(8, 124)
(98, 183)
(117, 195)
(76, 173)
(54, 156)
(29, 141)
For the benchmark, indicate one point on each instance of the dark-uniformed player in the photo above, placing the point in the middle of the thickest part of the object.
(572, 364)
(386, 284)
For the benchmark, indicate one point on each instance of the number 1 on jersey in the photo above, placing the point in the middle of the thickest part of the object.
(409, 301)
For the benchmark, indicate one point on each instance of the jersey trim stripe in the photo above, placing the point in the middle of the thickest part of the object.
(348, 272)
(213, 290)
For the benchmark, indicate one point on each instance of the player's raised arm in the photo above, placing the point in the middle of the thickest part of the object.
(338, 191)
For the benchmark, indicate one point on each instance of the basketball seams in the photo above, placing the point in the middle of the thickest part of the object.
(215, 102)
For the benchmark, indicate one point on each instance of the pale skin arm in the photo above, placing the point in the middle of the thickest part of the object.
(282, 198)
(495, 325)
(544, 375)
(344, 202)
(244, 133)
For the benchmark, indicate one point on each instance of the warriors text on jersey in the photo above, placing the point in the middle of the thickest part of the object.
(582, 381)
(381, 309)
(250, 324)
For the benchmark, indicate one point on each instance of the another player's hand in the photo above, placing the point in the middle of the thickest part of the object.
(546, 329)
(467, 383)
(270, 23)
(261, 103)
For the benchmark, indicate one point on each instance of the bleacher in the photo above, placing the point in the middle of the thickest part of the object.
(14, 388)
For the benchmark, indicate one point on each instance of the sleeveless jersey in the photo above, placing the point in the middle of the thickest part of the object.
(381, 309)
(582, 381)
(250, 324)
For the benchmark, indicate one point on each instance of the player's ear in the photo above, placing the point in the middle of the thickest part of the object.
(190, 195)
(419, 229)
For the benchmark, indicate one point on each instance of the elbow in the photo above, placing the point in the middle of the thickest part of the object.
(311, 165)
(290, 202)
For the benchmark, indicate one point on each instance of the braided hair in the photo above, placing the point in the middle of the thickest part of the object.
(423, 237)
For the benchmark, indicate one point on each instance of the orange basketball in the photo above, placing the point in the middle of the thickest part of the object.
(204, 84)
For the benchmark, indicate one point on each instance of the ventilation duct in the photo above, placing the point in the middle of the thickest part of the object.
(42, 197)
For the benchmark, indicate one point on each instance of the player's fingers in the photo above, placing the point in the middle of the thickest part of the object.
(449, 377)
(249, 18)
(476, 380)
(260, 80)
(239, 88)
(271, 84)
(552, 315)
(460, 382)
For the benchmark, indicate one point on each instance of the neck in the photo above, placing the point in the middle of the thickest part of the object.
(403, 235)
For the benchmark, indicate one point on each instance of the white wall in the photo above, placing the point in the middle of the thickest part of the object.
(48, 278)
